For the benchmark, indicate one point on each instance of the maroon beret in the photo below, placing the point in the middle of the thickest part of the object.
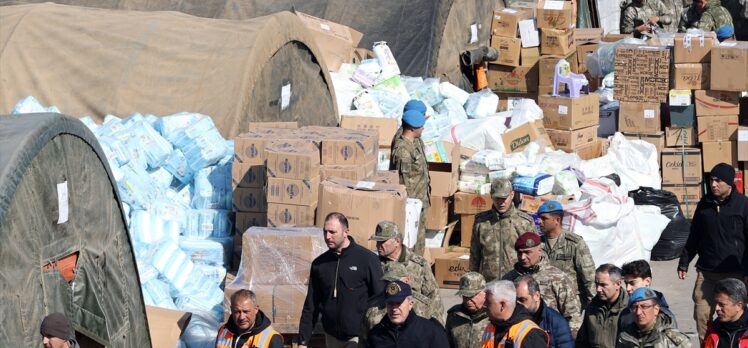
(527, 240)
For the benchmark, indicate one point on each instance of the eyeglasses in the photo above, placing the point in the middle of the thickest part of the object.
(635, 307)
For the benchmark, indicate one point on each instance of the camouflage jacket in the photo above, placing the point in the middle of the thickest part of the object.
(633, 16)
(600, 324)
(674, 9)
(409, 159)
(714, 17)
(464, 330)
(492, 245)
(556, 288)
(571, 255)
(663, 335)
(428, 302)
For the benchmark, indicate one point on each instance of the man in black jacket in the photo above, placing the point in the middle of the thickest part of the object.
(718, 235)
(402, 327)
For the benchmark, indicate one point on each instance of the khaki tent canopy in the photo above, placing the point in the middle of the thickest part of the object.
(89, 61)
(60, 208)
(426, 36)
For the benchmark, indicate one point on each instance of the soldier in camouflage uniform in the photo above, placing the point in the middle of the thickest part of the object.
(640, 16)
(707, 15)
(556, 288)
(466, 321)
(428, 302)
(409, 159)
(495, 231)
(567, 251)
(739, 11)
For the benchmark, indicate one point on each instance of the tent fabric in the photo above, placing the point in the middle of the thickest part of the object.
(42, 156)
(425, 36)
(89, 61)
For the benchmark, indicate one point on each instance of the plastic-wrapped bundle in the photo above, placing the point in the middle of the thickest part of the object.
(602, 61)
(482, 103)
(533, 185)
(170, 126)
(208, 300)
(180, 194)
(157, 292)
(115, 151)
(474, 187)
(204, 223)
(449, 90)
(214, 177)
(157, 149)
(394, 85)
(201, 331)
(211, 199)
(131, 120)
(490, 159)
(30, 105)
(215, 274)
(391, 104)
(428, 92)
(135, 188)
(175, 265)
(148, 227)
(146, 271)
(478, 134)
(135, 152)
(204, 251)
(204, 150)
(566, 184)
(162, 178)
(111, 125)
(176, 164)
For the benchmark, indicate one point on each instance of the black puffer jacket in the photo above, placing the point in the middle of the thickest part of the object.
(415, 332)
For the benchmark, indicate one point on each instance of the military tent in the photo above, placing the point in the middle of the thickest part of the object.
(64, 245)
(90, 61)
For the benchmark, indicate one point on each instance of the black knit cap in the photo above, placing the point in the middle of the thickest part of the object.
(724, 172)
(56, 325)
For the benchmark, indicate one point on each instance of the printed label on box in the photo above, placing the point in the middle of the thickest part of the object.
(563, 110)
(649, 113)
(554, 5)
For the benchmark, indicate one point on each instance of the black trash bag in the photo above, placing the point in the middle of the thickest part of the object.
(675, 235)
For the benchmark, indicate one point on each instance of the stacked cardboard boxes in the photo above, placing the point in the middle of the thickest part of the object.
(293, 168)
(572, 123)
(513, 34)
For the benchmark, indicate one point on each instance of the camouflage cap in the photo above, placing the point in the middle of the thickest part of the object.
(501, 188)
(385, 231)
(471, 283)
(394, 270)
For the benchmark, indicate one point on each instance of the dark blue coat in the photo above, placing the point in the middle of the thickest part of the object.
(555, 325)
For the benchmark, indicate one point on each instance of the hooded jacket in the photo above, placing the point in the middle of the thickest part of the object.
(627, 317)
(600, 324)
(262, 322)
(536, 338)
(727, 335)
(555, 325)
(662, 335)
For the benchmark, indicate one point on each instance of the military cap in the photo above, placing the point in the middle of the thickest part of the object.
(471, 283)
(501, 188)
(385, 231)
(394, 271)
(642, 294)
(527, 240)
(396, 292)
(549, 207)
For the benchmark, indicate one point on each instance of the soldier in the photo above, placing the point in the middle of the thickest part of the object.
(567, 251)
(492, 246)
(421, 279)
(600, 325)
(556, 288)
(466, 321)
(739, 11)
(649, 329)
(707, 15)
(641, 16)
(409, 159)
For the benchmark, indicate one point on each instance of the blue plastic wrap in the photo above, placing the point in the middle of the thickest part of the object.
(170, 126)
(201, 332)
(176, 164)
(537, 185)
(203, 251)
(156, 148)
(204, 223)
(148, 227)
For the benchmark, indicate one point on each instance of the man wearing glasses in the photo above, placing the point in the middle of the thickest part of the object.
(650, 328)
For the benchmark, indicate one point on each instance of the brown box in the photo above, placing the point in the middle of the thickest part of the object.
(557, 41)
(466, 229)
(657, 139)
(553, 14)
(507, 101)
(166, 325)
(583, 36)
(247, 175)
(743, 145)
(677, 137)
(249, 147)
(730, 66)
(249, 200)
(642, 73)
(449, 267)
(636, 117)
(293, 191)
(385, 177)
(348, 171)
(350, 147)
(444, 176)
(516, 139)
(570, 113)
(335, 41)
(385, 127)
(690, 48)
(673, 169)
(570, 140)
(505, 21)
(471, 203)
(691, 76)
(717, 128)
(520, 79)
(365, 204)
(687, 193)
(291, 250)
(437, 216)
(717, 103)
(547, 68)
(509, 50)
(718, 152)
(593, 150)
(243, 221)
(282, 125)
(531, 204)
(290, 215)
(281, 303)
(582, 52)
(292, 160)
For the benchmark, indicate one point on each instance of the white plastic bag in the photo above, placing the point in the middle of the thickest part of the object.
(482, 103)
(478, 134)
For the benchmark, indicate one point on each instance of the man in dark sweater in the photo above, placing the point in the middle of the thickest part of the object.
(729, 329)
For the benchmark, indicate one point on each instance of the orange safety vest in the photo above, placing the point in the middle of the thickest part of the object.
(711, 338)
(259, 340)
(516, 335)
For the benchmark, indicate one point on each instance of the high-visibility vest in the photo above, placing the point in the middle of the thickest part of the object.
(259, 340)
(516, 335)
(711, 339)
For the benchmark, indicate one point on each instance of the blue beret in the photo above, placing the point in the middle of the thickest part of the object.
(415, 104)
(550, 206)
(725, 32)
(414, 118)
(642, 294)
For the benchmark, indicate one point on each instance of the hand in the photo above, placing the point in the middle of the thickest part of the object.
(644, 28)
(654, 19)
(682, 274)
(301, 346)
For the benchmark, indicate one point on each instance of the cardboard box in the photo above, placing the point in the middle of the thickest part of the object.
(552, 14)
(719, 152)
(365, 204)
(743, 143)
(385, 127)
(642, 73)
(282, 303)
(444, 176)
(385, 177)
(505, 21)
(516, 139)
(656, 139)
(249, 147)
(471, 203)
(691, 76)
(592, 150)
(677, 137)
(690, 193)
(730, 66)
(557, 41)
(293, 191)
(348, 171)
(675, 172)
(547, 69)
(571, 140)
(282, 125)
(531, 204)
(679, 97)
(244, 221)
(291, 250)
(690, 48)
(292, 160)
(584, 36)
(350, 147)
(467, 221)
(520, 79)
(509, 50)
(717, 103)
(717, 128)
(682, 116)
(636, 117)
(449, 267)
(582, 52)
(335, 41)
(437, 216)
(247, 175)
(166, 325)
(566, 113)
(507, 101)
(290, 215)
(249, 200)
